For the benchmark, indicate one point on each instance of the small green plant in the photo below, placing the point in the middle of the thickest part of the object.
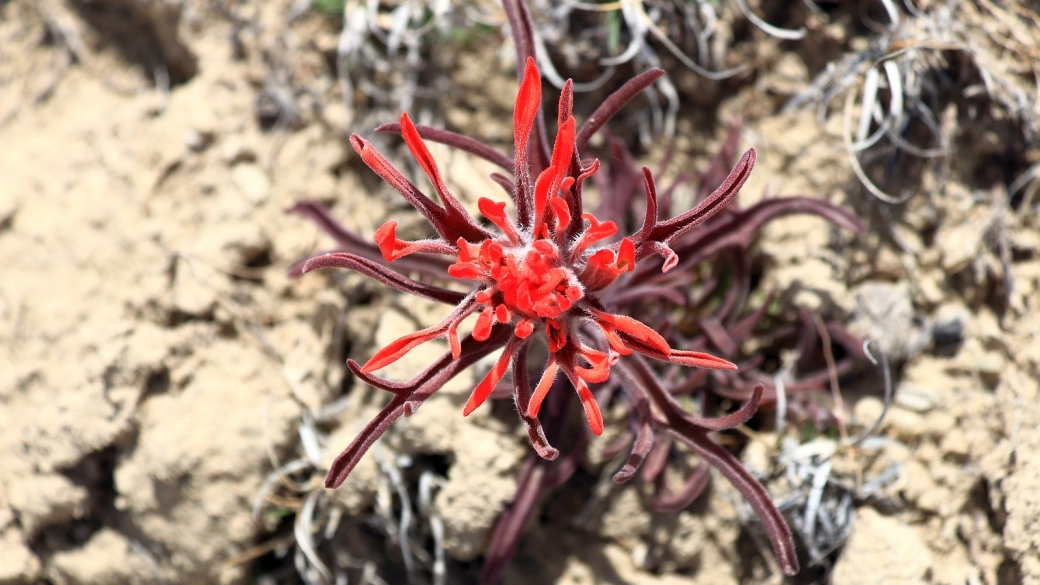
(329, 6)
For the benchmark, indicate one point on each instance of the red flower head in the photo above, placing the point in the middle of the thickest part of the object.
(539, 274)
(542, 271)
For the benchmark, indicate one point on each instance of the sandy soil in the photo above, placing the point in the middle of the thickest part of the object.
(157, 363)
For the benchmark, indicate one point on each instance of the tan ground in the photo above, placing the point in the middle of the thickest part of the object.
(155, 359)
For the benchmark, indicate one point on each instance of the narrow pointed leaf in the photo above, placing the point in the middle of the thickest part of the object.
(463, 143)
(384, 275)
(613, 104)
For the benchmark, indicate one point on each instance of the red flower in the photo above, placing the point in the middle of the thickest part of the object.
(540, 273)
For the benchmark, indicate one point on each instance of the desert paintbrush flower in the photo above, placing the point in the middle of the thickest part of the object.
(538, 274)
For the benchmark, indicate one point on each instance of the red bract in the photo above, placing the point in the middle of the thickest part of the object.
(540, 275)
(541, 271)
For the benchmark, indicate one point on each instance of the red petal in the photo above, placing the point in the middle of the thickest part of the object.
(482, 330)
(553, 279)
(524, 329)
(635, 328)
(483, 390)
(546, 248)
(594, 233)
(391, 247)
(528, 100)
(626, 257)
(599, 272)
(602, 259)
(592, 412)
(615, 341)
(494, 251)
(465, 255)
(543, 188)
(453, 338)
(600, 362)
(433, 212)
(563, 214)
(386, 237)
(548, 183)
(502, 314)
(617, 344)
(563, 149)
(398, 348)
(496, 212)
(697, 359)
(420, 152)
(467, 270)
(456, 215)
(543, 388)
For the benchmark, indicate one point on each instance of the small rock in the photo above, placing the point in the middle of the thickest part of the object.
(929, 284)
(909, 239)
(916, 397)
(884, 312)
(938, 423)
(907, 425)
(948, 332)
(960, 244)
(197, 141)
(252, 182)
(956, 443)
(188, 294)
(236, 151)
(974, 357)
(867, 410)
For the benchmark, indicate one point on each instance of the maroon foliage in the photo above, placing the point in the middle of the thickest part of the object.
(557, 275)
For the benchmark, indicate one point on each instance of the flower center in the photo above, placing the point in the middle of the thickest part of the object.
(529, 281)
(534, 283)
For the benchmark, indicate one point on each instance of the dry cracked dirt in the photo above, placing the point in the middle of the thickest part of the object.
(157, 362)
